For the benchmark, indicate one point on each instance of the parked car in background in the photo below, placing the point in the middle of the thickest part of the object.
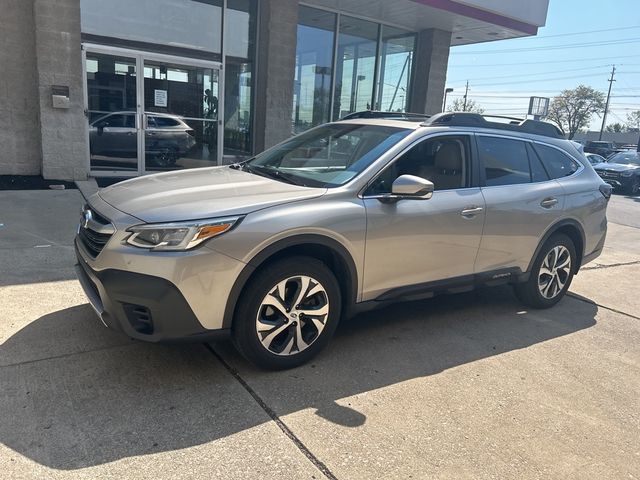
(628, 147)
(167, 137)
(622, 171)
(594, 158)
(273, 251)
(601, 148)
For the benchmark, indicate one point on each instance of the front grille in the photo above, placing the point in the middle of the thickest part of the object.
(94, 242)
(89, 235)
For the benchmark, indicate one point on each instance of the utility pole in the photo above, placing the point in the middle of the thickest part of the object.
(466, 92)
(606, 108)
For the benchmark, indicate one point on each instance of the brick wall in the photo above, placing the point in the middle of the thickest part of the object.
(430, 71)
(19, 106)
(277, 40)
(59, 62)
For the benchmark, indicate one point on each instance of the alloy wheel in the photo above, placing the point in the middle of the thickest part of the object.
(292, 315)
(555, 271)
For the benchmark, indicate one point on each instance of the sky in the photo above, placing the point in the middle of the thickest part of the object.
(579, 44)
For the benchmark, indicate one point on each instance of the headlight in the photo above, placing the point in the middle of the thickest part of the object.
(179, 236)
(628, 173)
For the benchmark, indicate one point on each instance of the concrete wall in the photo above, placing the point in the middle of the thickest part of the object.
(19, 105)
(277, 38)
(59, 62)
(430, 71)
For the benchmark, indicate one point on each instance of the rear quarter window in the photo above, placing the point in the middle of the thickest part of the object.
(557, 163)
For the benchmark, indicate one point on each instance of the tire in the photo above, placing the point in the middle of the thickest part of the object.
(264, 334)
(544, 290)
(634, 188)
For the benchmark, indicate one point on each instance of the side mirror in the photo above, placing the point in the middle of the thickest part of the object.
(101, 128)
(410, 186)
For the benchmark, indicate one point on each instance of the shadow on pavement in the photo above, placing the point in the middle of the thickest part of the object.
(119, 401)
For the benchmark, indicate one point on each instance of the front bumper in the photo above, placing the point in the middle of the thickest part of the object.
(142, 306)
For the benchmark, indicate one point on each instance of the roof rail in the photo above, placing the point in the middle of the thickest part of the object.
(467, 119)
(391, 115)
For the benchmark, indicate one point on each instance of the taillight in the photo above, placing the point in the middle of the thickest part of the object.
(605, 190)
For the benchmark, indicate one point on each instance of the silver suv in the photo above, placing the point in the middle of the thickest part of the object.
(349, 215)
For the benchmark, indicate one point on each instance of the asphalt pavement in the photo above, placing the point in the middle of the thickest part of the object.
(460, 386)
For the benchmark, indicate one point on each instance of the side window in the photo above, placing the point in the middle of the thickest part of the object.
(538, 173)
(165, 122)
(556, 163)
(505, 161)
(442, 160)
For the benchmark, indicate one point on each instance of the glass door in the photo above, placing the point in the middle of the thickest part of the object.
(150, 113)
(181, 113)
(112, 113)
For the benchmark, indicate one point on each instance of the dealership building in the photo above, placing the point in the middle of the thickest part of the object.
(123, 87)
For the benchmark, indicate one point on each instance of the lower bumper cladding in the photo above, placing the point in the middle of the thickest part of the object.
(143, 307)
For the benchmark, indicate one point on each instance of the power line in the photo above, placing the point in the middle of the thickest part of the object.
(553, 47)
(542, 80)
(583, 33)
(545, 62)
(540, 73)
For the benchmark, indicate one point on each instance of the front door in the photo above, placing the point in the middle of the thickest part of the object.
(149, 112)
(414, 242)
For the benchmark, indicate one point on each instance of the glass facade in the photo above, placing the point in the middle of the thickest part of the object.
(178, 47)
(396, 60)
(240, 39)
(314, 68)
(355, 66)
(174, 24)
(371, 70)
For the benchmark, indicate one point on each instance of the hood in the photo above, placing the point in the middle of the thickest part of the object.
(615, 167)
(201, 193)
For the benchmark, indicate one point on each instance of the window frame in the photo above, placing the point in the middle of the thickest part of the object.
(581, 166)
(472, 163)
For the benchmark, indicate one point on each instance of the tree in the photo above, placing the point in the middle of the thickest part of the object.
(633, 120)
(573, 109)
(458, 106)
(616, 127)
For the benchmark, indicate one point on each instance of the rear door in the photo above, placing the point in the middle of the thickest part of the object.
(414, 242)
(522, 202)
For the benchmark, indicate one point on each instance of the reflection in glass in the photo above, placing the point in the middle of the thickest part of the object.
(181, 113)
(355, 66)
(176, 23)
(314, 60)
(395, 69)
(240, 28)
(112, 101)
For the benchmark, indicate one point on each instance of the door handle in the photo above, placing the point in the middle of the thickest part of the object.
(548, 202)
(470, 212)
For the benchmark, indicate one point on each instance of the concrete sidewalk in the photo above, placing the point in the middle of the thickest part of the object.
(465, 386)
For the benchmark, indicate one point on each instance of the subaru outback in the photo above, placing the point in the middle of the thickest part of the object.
(273, 251)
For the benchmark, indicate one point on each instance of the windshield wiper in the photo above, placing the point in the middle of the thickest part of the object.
(273, 174)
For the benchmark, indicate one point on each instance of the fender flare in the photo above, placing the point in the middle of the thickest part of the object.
(280, 245)
(553, 229)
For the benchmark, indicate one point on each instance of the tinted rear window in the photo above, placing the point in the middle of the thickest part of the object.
(505, 161)
(556, 163)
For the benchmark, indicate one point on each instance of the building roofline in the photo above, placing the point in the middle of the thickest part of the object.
(479, 14)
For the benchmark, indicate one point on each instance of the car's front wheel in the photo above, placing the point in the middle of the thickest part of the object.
(287, 313)
(634, 188)
(551, 274)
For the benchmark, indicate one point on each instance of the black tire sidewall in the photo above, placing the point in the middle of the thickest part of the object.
(243, 329)
(554, 241)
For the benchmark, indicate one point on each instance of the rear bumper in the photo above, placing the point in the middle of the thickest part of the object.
(141, 306)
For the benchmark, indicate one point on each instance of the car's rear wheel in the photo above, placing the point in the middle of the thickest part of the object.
(287, 313)
(551, 274)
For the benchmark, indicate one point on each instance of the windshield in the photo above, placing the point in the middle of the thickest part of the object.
(625, 158)
(327, 156)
